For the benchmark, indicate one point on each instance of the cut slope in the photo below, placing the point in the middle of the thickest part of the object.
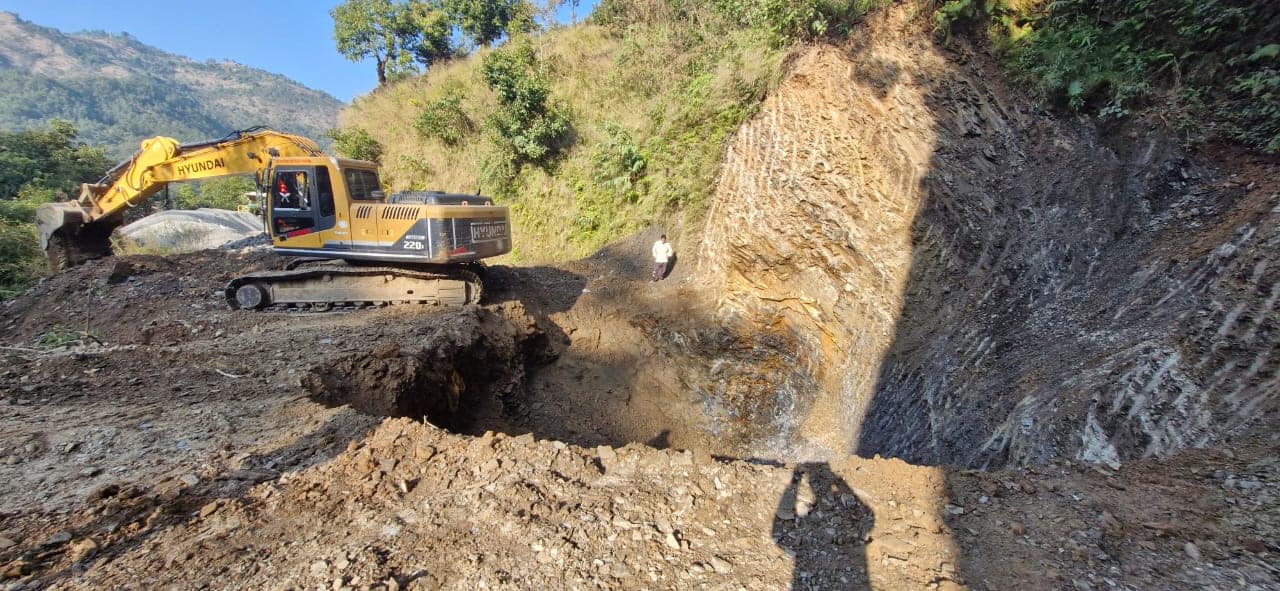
(976, 283)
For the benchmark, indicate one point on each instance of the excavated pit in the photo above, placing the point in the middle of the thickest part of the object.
(462, 366)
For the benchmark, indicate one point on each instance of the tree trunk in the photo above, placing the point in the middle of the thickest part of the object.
(382, 71)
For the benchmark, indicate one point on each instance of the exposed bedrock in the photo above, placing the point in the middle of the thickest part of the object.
(973, 282)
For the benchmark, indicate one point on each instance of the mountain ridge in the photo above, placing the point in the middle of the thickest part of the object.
(118, 90)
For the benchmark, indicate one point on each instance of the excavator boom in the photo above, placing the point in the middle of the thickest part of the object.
(73, 231)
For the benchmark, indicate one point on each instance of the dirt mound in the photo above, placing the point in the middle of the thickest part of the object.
(188, 230)
(137, 299)
(412, 506)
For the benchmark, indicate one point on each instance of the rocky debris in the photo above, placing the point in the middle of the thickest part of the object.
(183, 230)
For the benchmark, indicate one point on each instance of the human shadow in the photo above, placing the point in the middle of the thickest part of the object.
(671, 266)
(823, 525)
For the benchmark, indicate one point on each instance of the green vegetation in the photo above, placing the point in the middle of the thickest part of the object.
(219, 193)
(444, 119)
(1209, 68)
(527, 127)
(486, 21)
(595, 131)
(353, 142)
(36, 167)
(395, 34)
(787, 21)
(60, 336)
(118, 91)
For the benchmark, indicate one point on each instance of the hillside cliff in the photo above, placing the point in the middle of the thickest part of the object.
(977, 283)
(118, 90)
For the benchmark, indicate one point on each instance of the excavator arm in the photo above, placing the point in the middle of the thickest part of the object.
(74, 231)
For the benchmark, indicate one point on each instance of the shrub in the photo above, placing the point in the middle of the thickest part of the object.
(354, 142)
(528, 127)
(21, 261)
(1208, 66)
(786, 21)
(618, 163)
(444, 119)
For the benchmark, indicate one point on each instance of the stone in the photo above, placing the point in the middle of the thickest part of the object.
(6, 543)
(1191, 550)
(82, 549)
(386, 351)
(721, 565)
(189, 479)
(58, 539)
(672, 542)
(1017, 528)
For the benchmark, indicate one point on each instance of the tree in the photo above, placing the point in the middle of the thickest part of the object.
(435, 43)
(219, 193)
(36, 166)
(394, 34)
(486, 21)
(529, 127)
(54, 159)
(354, 142)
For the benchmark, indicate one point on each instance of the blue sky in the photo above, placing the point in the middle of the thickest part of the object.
(290, 37)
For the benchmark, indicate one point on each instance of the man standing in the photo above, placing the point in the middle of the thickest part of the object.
(662, 252)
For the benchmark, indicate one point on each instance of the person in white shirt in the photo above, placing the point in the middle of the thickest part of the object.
(662, 253)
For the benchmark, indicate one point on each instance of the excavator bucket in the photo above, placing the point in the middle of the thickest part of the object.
(68, 238)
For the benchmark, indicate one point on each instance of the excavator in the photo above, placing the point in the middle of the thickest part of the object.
(348, 243)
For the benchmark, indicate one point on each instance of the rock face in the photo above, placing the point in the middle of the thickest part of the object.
(976, 283)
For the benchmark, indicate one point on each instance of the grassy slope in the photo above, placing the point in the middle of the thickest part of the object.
(678, 90)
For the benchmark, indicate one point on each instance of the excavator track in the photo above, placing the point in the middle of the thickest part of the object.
(350, 287)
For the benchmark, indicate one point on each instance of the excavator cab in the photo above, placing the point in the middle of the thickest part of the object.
(301, 201)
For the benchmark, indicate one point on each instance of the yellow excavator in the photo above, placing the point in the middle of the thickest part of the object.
(350, 244)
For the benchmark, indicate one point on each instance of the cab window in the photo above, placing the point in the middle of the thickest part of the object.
(324, 192)
(362, 184)
(291, 190)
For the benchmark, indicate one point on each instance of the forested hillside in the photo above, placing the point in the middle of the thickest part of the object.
(117, 90)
